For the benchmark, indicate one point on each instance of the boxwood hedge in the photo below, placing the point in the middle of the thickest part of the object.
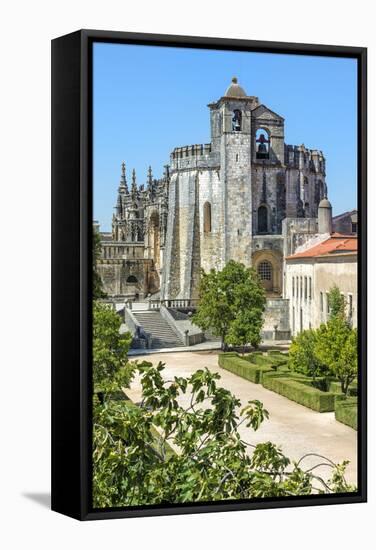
(242, 367)
(300, 391)
(346, 411)
(272, 372)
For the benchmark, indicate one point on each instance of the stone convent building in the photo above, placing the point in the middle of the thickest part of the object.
(218, 201)
(246, 196)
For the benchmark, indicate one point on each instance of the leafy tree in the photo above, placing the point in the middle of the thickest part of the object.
(134, 467)
(303, 357)
(98, 291)
(111, 370)
(231, 304)
(336, 303)
(337, 348)
(246, 329)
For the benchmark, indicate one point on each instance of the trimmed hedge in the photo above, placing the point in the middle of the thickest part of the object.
(346, 411)
(273, 373)
(300, 392)
(335, 387)
(242, 367)
(269, 360)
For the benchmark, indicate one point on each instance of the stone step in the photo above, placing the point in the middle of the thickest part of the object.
(161, 333)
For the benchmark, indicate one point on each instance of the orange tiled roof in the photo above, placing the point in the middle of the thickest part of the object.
(336, 244)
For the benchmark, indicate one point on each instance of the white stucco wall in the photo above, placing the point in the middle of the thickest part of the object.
(310, 309)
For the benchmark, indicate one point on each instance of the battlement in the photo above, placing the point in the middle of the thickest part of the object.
(197, 150)
(298, 156)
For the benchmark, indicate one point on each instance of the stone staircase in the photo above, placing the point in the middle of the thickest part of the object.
(161, 333)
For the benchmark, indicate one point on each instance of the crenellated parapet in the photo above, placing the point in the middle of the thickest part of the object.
(298, 156)
(193, 156)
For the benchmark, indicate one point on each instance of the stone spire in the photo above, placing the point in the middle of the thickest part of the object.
(150, 178)
(134, 184)
(123, 187)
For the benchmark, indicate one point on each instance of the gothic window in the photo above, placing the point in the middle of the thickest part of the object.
(207, 217)
(262, 144)
(236, 121)
(262, 219)
(132, 280)
(264, 270)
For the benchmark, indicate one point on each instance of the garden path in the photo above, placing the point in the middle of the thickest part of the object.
(297, 429)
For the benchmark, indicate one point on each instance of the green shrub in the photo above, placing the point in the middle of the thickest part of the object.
(258, 359)
(300, 391)
(277, 353)
(303, 354)
(335, 387)
(243, 367)
(346, 411)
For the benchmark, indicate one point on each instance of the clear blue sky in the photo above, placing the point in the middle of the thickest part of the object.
(148, 100)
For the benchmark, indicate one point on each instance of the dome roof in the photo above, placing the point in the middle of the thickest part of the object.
(325, 203)
(234, 90)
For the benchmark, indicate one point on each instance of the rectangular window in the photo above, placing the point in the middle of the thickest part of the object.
(310, 288)
(305, 288)
(293, 286)
(327, 303)
(321, 302)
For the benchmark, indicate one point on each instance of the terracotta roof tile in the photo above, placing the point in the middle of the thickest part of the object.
(336, 244)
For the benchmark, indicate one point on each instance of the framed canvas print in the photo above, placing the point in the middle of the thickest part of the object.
(209, 274)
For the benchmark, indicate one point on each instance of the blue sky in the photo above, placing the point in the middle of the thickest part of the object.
(148, 100)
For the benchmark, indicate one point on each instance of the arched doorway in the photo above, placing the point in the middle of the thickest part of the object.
(265, 272)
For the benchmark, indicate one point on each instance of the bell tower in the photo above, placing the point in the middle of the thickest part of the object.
(231, 136)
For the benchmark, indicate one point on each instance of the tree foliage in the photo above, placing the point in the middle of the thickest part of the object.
(231, 304)
(303, 357)
(210, 461)
(337, 348)
(110, 363)
(336, 303)
(182, 442)
(98, 291)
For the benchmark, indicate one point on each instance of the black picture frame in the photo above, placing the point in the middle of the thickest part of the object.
(72, 260)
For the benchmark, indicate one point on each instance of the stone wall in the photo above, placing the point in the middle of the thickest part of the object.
(276, 320)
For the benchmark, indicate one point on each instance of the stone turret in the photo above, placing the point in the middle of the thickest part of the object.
(325, 217)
